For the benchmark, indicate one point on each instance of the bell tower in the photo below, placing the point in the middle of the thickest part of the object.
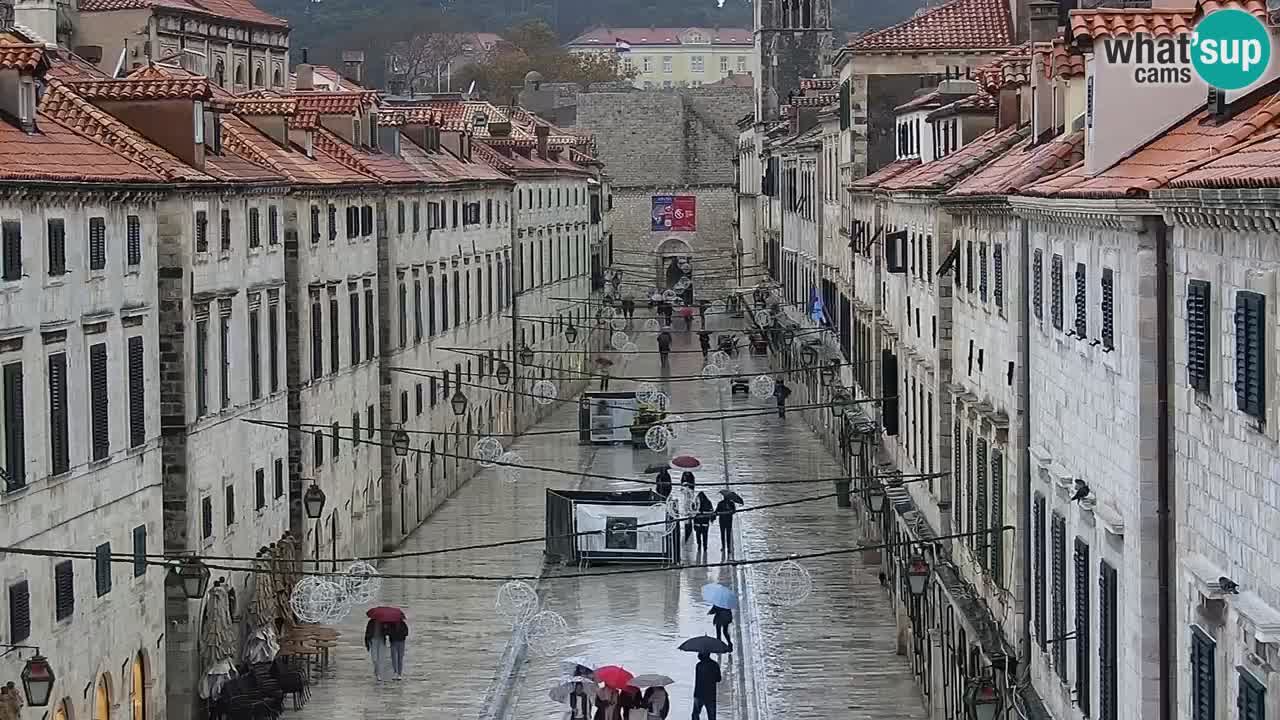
(793, 39)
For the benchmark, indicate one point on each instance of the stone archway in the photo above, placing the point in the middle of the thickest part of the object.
(674, 262)
(103, 698)
(64, 710)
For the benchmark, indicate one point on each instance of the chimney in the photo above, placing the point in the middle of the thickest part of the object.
(353, 65)
(18, 98)
(306, 74)
(39, 16)
(1009, 111)
(543, 132)
(1043, 18)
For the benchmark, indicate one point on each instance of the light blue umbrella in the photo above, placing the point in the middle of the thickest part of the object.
(719, 595)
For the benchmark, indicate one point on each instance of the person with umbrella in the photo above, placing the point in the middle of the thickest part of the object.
(688, 482)
(721, 618)
(579, 702)
(628, 308)
(724, 516)
(631, 704)
(703, 306)
(706, 676)
(663, 484)
(386, 627)
(657, 702)
(781, 392)
(704, 342)
(702, 521)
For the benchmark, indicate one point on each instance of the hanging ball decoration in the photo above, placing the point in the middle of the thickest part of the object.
(510, 462)
(675, 507)
(662, 400)
(645, 392)
(762, 387)
(517, 602)
(631, 350)
(488, 450)
(669, 296)
(674, 425)
(619, 340)
(547, 633)
(720, 359)
(618, 323)
(789, 583)
(657, 438)
(318, 600)
(710, 374)
(763, 318)
(607, 312)
(651, 325)
(544, 392)
(362, 582)
(681, 285)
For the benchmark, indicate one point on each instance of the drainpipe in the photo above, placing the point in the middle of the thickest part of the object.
(1164, 473)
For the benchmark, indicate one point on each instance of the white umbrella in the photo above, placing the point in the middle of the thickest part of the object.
(651, 680)
(571, 664)
(560, 693)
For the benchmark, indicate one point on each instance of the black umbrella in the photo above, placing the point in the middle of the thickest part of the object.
(704, 644)
(732, 497)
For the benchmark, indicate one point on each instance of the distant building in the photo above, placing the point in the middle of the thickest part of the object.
(673, 57)
(793, 39)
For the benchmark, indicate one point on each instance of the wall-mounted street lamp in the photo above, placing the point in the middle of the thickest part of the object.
(571, 333)
(37, 676)
(840, 402)
(983, 699)
(191, 575)
(526, 355)
(458, 402)
(503, 373)
(918, 571)
(808, 356)
(400, 442)
(828, 372)
(875, 497)
(313, 502)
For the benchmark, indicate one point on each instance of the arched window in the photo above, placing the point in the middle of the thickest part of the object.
(276, 80)
(806, 19)
(220, 73)
(786, 13)
(257, 76)
(102, 699)
(239, 73)
(139, 687)
(61, 711)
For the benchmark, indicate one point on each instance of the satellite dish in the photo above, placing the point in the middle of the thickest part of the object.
(471, 89)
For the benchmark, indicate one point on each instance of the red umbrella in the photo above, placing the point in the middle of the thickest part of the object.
(685, 462)
(385, 614)
(613, 676)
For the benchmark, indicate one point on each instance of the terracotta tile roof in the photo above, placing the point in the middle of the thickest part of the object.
(151, 87)
(955, 25)
(382, 166)
(334, 103)
(493, 157)
(24, 57)
(818, 83)
(818, 100)
(1056, 60)
(1175, 154)
(945, 172)
(930, 99)
(1093, 24)
(61, 103)
(444, 167)
(1252, 164)
(264, 106)
(231, 166)
(979, 102)
(65, 65)
(58, 154)
(892, 170)
(606, 37)
(1012, 68)
(235, 10)
(290, 162)
(1021, 166)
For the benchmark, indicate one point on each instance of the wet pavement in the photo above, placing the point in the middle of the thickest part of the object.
(831, 657)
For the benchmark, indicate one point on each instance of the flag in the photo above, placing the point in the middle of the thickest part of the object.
(621, 45)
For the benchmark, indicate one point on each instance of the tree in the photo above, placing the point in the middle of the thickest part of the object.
(533, 46)
(415, 63)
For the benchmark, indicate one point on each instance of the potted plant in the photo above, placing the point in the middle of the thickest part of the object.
(647, 415)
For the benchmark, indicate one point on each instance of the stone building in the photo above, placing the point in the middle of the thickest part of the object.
(793, 40)
(664, 143)
(666, 58)
(81, 432)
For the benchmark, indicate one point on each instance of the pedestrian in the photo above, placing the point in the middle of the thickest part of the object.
(705, 678)
(721, 618)
(663, 484)
(664, 348)
(657, 702)
(781, 392)
(579, 703)
(606, 703)
(375, 641)
(686, 313)
(704, 341)
(10, 702)
(628, 308)
(688, 482)
(398, 634)
(631, 704)
(724, 516)
(702, 521)
(604, 379)
(703, 306)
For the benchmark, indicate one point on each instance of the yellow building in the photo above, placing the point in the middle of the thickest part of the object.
(674, 57)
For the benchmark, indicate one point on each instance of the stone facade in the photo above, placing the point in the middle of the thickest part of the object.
(793, 40)
(59, 490)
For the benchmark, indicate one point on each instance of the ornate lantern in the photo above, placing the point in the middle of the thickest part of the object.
(37, 679)
(983, 699)
(503, 373)
(189, 574)
(571, 333)
(400, 442)
(917, 574)
(458, 402)
(313, 502)
(526, 355)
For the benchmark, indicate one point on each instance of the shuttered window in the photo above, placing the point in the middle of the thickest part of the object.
(56, 237)
(1055, 291)
(259, 489)
(19, 612)
(431, 306)
(996, 539)
(224, 232)
(370, 329)
(997, 261)
(404, 314)
(353, 302)
(971, 487)
(273, 346)
(417, 310)
(982, 272)
(366, 220)
(97, 243)
(202, 367)
(1083, 579)
(1082, 304)
(317, 337)
(140, 551)
(224, 354)
(278, 479)
(15, 434)
(229, 507)
(137, 392)
(1108, 643)
(315, 224)
(202, 231)
(957, 486)
(1204, 676)
(133, 241)
(1251, 378)
(1108, 309)
(255, 229)
(1198, 310)
(273, 225)
(337, 440)
(981, 543)
(59, 449)
(11, 232)
(335, 333)
(206, 517)
(64, 590)
(1037, 284)
(333, 223)
(1251, 702)
(102, 568)
(1058, 531)
(400, 216)
(417, 216)
(255, 355)
(100, 413)
(318, 437)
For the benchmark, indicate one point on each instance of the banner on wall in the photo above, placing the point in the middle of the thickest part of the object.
(675, 213)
